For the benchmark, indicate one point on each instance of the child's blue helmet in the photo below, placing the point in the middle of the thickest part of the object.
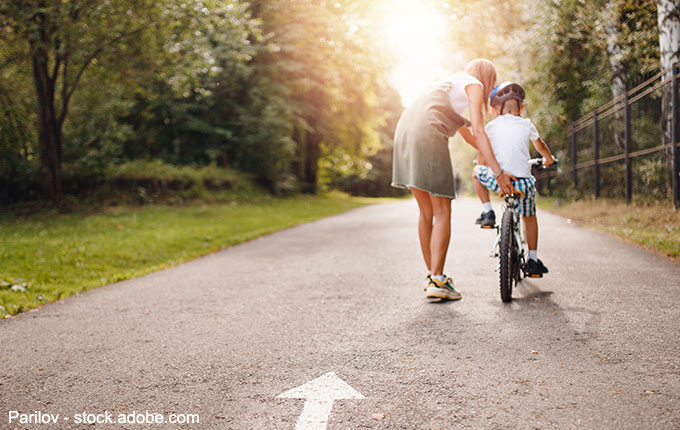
(506, 91)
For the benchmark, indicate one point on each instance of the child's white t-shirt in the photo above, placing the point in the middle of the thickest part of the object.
(457, 95)
(510, 136)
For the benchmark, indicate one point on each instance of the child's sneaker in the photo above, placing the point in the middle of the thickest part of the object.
(534, 269)
(487, 220)
(442, 290)
(542, 266)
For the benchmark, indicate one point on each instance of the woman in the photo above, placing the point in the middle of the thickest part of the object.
(423, 165)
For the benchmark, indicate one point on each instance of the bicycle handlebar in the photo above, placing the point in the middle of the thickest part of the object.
(538, 163)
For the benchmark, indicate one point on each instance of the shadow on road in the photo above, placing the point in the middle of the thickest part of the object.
(530, 292)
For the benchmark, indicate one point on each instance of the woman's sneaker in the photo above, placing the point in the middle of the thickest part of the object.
(428, 279)
(442, 290)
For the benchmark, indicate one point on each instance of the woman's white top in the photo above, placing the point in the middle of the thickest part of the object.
(510, 136)
(457, 94)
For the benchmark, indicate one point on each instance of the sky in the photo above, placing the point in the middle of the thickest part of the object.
(415, 32)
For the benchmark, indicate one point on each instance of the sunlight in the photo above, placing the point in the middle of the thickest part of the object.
(414, 32)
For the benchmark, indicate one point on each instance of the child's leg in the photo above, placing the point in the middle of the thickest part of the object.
(483, 181)
(528, 212)
(482, 192)
(424, 223)
(531, 224)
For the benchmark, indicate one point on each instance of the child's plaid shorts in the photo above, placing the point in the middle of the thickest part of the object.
(527, 204)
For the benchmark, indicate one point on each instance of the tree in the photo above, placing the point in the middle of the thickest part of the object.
(669, 53)
(17, 118)
(63, 39)
(330, 76)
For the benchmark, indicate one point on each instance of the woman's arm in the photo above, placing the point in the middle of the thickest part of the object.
(469, 138)
(467, 135)
(476, 99)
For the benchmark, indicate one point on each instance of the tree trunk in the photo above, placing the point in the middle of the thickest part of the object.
(611, 17)
(311, 161)
(298, 138)
(49, 128)
(669, 32)
(669, 50)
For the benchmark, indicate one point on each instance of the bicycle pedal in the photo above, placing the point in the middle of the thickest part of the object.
(534, 276)
(487, 227)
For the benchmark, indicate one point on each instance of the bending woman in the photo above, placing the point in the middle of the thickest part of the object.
(423, 165)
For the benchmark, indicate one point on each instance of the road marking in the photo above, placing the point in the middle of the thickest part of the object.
(319, 394)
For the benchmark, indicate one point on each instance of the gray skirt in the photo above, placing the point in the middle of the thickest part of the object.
(421, 145)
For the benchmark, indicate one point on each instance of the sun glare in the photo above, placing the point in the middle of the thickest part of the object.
(414, 32)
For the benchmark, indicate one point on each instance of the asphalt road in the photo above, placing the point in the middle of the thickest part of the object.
(593, 345)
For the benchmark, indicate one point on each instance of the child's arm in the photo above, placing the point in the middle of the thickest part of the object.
(543, 149)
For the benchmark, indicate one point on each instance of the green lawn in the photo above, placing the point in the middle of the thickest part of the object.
(47, 257)
(655, 227)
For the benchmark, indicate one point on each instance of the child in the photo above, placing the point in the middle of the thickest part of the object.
(509, 135)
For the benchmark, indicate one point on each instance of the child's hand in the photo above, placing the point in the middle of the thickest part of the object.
(548, 161)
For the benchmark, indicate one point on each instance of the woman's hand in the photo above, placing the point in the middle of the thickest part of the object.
(505, 182)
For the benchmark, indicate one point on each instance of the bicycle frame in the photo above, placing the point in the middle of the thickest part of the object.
(510, 246)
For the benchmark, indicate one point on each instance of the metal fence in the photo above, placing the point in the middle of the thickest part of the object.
(628, 148)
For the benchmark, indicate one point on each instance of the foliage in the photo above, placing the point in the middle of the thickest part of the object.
(329, 63)
(294, 92)
(561, 52)
(270, 88)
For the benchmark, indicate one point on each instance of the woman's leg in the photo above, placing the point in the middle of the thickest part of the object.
(424, 223)
(441, 233)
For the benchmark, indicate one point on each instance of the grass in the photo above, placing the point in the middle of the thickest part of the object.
(46, 257)
(656, 227)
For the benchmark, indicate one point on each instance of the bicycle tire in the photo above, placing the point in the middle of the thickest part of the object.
(508, 257)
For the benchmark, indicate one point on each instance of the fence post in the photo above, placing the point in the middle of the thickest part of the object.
(596, 155)
(629, 169)
(572, 142)
(676, 135)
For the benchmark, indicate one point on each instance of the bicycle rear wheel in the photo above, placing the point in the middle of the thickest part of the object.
(508, 255)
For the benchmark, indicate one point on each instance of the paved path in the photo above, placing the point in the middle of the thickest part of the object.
(592, 345)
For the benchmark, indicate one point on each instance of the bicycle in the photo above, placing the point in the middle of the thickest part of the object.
(511, 246)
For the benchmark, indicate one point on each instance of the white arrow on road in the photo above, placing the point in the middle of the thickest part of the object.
(319, 395)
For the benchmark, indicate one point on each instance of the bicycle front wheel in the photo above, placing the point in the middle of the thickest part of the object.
(508, 255)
